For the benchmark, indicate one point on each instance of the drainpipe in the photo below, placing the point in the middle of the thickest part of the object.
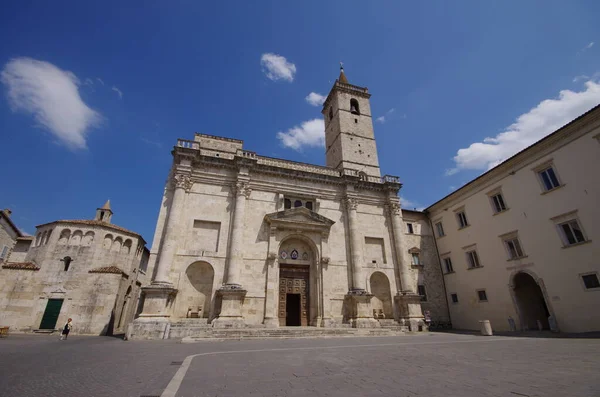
(440, 263)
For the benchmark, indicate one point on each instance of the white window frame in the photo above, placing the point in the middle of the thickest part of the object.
(498, 205)
(585, 288)
(473, 261)
(543, 168)
(439, 226)
(445, 257)
(569, 218)
(463, 222)
(513, 238)
(418, 257)
(565, 237)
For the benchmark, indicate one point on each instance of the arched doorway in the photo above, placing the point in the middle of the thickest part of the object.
(196, 291)
(382, 296)
(530, 302)
(297, 302)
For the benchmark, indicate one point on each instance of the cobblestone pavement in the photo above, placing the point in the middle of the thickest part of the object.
(414, 365)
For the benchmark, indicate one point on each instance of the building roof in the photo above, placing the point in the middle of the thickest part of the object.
(88, 222)
(342, 78)
(106, 206)
(523, 154)
(108, 269)
(25, 238)
(4, 214)
(21, 266)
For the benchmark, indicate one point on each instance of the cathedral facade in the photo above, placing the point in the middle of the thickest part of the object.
(244, 240)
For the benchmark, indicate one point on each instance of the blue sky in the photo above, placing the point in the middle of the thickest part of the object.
(94, 94)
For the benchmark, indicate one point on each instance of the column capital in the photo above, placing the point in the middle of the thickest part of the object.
(181, 181)
(242, 189)
(350, 203)
(393, 208)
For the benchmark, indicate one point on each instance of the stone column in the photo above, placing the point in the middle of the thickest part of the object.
(395, 214)
(153, 322)
(358, 295)
(271, 318)
(232, 294)
(358, 281)
(406, 300)
(182, 183)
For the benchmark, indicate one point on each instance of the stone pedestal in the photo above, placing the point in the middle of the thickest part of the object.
(363, 312)
(232, 299)
(153, 322)
(409, 311)
(271, 322)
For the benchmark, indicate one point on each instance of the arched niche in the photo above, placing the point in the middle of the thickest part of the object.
(116, 245)
(126, 249)
(108, 240)
(196, 294)
(88, 239)
(76, 238)
(382, 296)
(65, 234)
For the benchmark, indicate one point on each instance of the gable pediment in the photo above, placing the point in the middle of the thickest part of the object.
(299, 218)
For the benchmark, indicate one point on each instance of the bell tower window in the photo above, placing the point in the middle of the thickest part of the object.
(354, 108)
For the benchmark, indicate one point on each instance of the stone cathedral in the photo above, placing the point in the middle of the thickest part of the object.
(244, 240)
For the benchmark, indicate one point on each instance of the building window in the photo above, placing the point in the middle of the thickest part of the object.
(440, 229)
(297, 203)
(67, 261)
(330, 114)
(410, 228)
(462, 219)
(454, 298)
(514, 248)
(549, 178)
(415, 259)
(287, 204)
(571, 232)
(473, 259)
(448, 265)
(4, 252)
(354, 108)
(590, 281)
(498, 203)
(309, 205)
(482, 295)
(422, 293)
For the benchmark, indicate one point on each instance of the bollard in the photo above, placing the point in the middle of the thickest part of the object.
(486, 327)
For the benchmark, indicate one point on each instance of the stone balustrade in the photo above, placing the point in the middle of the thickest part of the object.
(187, 144)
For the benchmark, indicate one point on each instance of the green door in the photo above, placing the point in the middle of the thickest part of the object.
(51, 313)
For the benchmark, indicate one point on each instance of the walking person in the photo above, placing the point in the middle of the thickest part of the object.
(66, 329)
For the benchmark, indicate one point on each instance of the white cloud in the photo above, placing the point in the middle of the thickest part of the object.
(100, 80)
(118, 91)
(88, 81)
(51, 95)
(315, 99)
(410, 205)
(382, 119)
(579, 78)
(548, 116)
(310, 133)
(277, 67)
(587, 47)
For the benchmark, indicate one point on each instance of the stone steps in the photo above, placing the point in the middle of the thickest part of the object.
(288, 332)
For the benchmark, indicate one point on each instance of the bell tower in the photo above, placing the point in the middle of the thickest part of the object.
(349, 137)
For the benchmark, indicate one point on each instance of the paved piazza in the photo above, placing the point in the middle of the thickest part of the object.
(412, 365)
